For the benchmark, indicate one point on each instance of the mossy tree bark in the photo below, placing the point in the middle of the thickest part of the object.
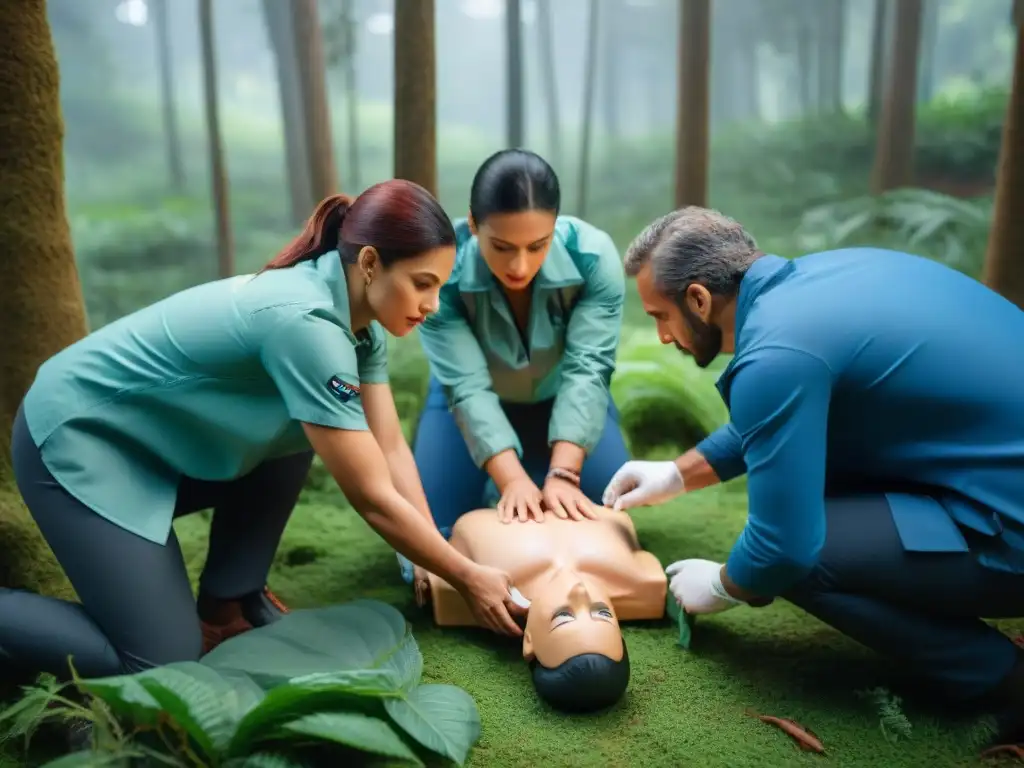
(1004, 262)
(415, 93)
(41, 307)
(694, 71)
(894, 143)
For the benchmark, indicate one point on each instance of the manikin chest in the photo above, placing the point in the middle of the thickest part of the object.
(523, 549)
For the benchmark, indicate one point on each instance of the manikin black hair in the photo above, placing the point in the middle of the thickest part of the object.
(584, 683)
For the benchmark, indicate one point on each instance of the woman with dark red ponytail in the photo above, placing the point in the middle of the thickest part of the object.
(219, 396)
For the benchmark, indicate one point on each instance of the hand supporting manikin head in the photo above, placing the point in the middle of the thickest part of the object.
(581, 578)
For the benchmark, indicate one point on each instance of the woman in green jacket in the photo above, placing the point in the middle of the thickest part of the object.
(518, 413)
(218, 396)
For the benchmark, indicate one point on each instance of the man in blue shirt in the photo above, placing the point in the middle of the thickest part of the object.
(876, 409)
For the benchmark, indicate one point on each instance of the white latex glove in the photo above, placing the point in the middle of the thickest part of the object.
(642, 483)
(697, 586)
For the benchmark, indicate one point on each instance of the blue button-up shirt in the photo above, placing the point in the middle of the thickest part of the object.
(866, 366)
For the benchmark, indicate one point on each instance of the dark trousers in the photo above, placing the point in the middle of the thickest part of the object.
(137, 608)
(923, 609)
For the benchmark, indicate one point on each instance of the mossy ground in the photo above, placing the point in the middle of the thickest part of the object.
(682, 708)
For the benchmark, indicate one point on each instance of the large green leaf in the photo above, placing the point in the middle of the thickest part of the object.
(205, 704)
(352, 729)
(125, 696)
(442, 718)
(90, 759)
(358, 636)
(289, 702)
(267, 760)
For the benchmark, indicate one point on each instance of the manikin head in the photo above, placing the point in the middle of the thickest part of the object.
(513, 208)
(397, 246)
(688, 267)
(574, 645)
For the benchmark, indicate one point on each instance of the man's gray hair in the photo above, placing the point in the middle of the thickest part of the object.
(693, 245)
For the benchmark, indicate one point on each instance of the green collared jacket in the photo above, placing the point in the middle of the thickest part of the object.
(479, 357)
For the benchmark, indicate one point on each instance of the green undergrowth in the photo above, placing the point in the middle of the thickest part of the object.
(682, 708)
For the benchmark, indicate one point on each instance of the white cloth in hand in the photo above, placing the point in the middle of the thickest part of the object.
(697, 586)
(642, 483)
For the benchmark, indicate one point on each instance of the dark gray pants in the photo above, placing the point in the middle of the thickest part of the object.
(137, 609)
(922, 609)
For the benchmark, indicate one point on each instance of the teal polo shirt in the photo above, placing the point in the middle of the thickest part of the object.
(567, 354)
(207, 384)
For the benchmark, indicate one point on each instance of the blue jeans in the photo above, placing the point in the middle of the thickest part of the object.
(454, 485)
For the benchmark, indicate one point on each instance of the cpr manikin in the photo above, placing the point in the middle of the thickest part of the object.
(582, 578)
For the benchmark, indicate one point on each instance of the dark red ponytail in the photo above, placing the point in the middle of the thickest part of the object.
(321, 234)
(398, 218)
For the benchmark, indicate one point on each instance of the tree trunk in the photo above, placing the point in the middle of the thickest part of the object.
(351, 95)
(41, 308)
(415, 93)
(835, 46)
(548, 77)
(589, 91)
(165, 62)
(1004, 262)
(218, 174)
(692, 104)
(514, 72)
(805, 67)
(894, 148)
(929, 39)
(879, 60)
(611, 71)
(323, 172)
(282, 40)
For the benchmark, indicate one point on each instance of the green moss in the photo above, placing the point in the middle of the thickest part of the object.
(26, 560)
(683, 708)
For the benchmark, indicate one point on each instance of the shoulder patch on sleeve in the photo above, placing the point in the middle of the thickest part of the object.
(342, 389)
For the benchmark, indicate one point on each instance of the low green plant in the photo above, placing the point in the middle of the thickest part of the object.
(330, 682)
(663, 397)
(893, 723)
(933, 224)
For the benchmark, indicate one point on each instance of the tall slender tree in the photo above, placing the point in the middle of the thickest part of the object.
(278, 18)
(514, 72)
(894, 142)
(415, 93)
(218, 172)
(589, 92)
(692, 102)
(1004, 262)
(41, 306)
(165, 62)
(323, 172)
(548, 76)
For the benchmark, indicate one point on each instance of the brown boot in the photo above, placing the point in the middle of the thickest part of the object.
(223, 619)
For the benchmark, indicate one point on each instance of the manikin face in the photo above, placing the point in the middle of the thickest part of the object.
(686, 324)
(402, 295)
(514, 245)
(569, 615)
